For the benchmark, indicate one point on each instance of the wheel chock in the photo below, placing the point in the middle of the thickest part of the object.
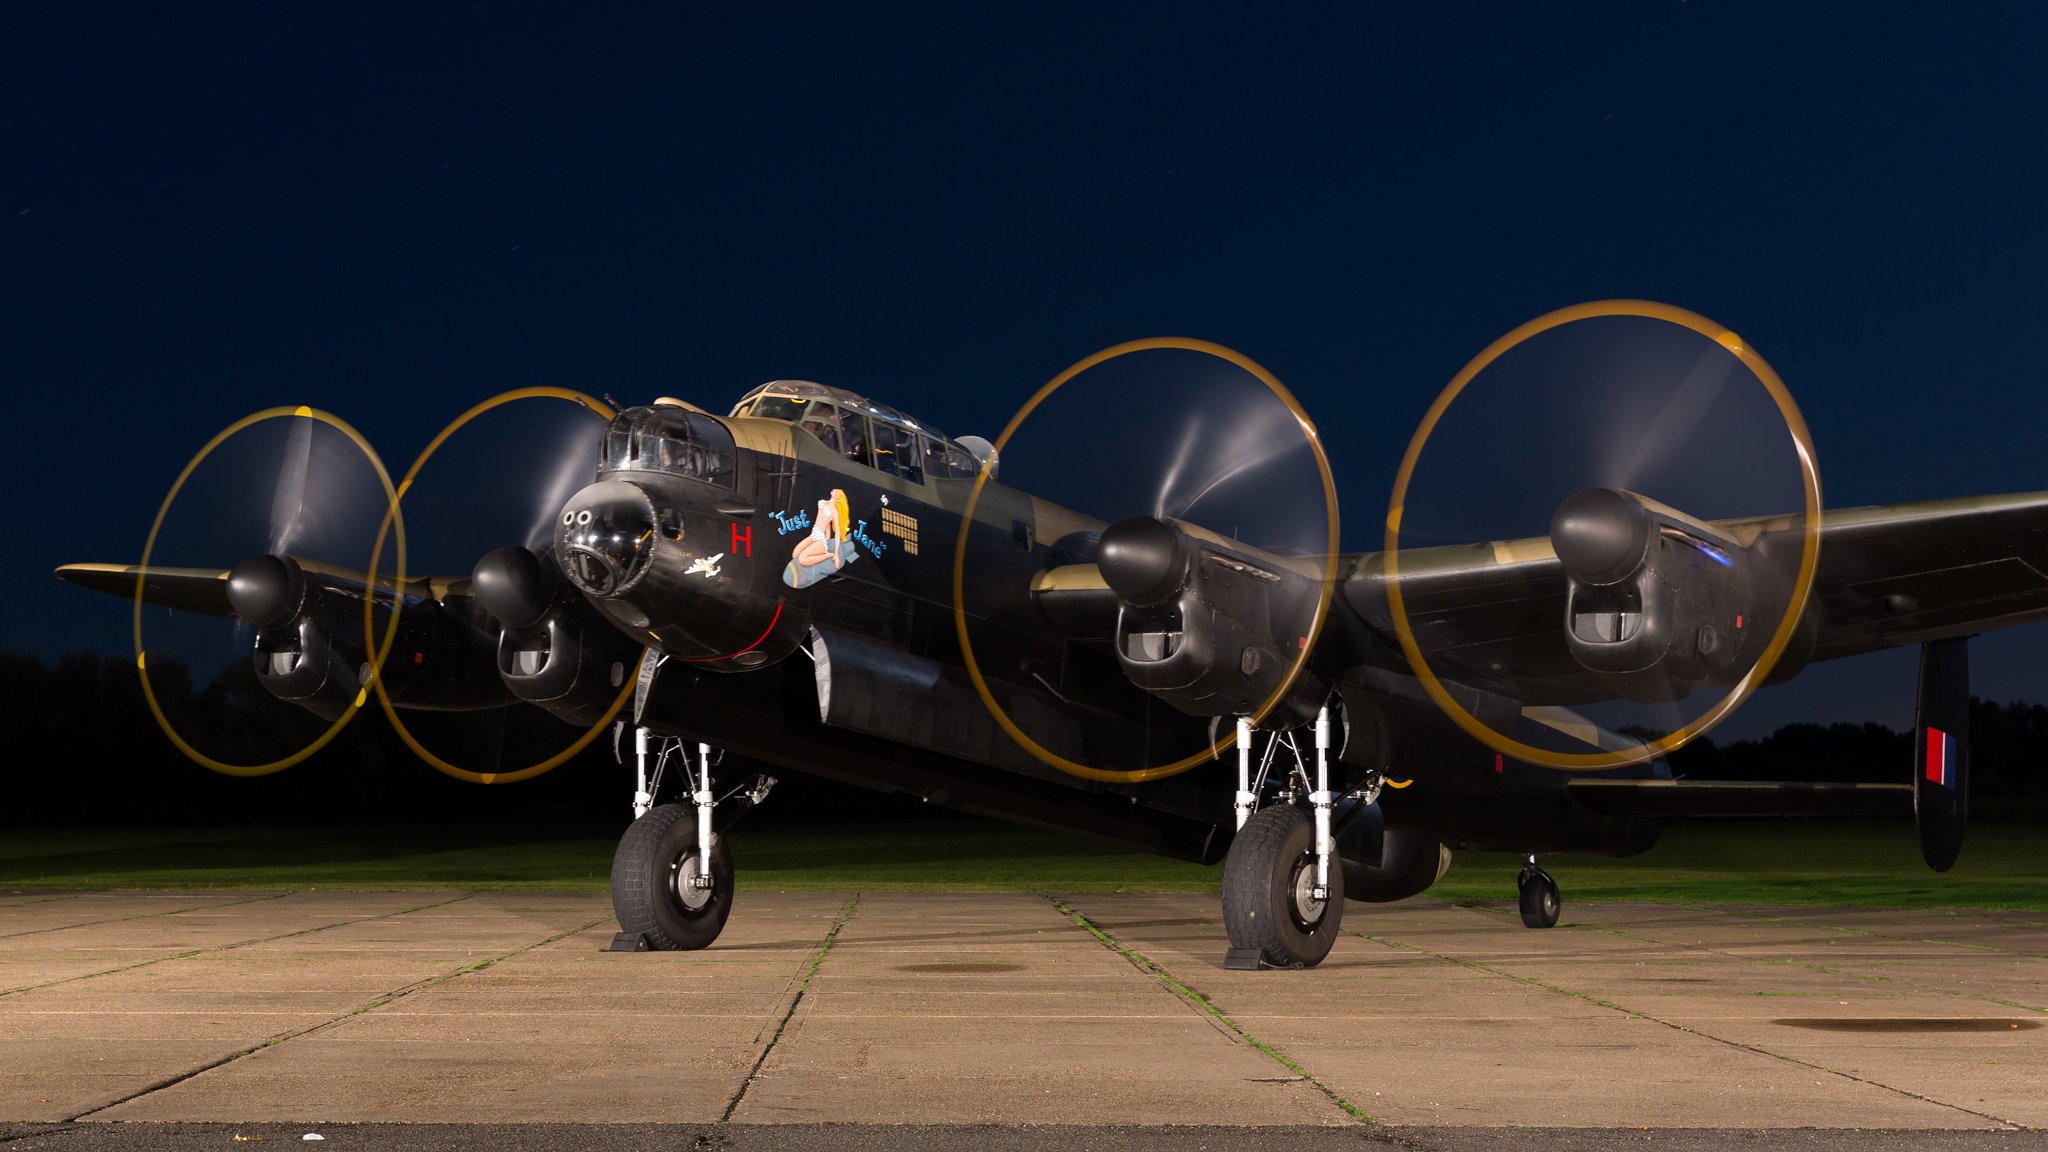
(628, 942)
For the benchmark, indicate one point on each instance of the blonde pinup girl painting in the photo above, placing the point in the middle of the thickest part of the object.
(826, 550)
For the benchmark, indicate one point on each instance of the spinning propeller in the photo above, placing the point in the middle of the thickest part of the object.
(336, 585)
(1618, 427)
(1641, 428)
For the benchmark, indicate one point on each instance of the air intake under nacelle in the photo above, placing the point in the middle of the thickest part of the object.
(297, 662)
(574, 669)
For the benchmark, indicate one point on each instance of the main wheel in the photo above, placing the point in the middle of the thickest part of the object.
(1268, 890)
(651, 874)
(1540, 901)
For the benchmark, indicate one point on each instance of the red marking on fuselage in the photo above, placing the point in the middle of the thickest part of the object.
(1499, 763)
(742, 540)
(767, 632)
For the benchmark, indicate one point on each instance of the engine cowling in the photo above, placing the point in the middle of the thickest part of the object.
(1657, 601)
(555, 650)
(1208, 625)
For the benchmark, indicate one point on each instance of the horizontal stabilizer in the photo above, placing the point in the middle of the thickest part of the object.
(1680, 798)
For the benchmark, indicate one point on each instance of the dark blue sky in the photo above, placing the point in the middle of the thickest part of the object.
(394, 211)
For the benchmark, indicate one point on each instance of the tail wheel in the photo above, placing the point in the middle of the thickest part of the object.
(1269, 890)
(652, 870)
(1540, 901)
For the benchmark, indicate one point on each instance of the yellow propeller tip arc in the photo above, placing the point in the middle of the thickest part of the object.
(1393, 519)
(139, 663)
(362, 697)
(303, 410)
(1730, 341)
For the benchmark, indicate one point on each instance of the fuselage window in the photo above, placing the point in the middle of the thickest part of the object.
(877, 443)
(857, 444)
(897, 451)
(949, 462)
(790, 408)
(822, 421)
(910, 456)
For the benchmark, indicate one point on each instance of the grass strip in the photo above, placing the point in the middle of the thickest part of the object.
(802, 988)
(1144, 964)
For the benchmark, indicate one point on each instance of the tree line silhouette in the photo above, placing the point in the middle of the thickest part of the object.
(83, 750)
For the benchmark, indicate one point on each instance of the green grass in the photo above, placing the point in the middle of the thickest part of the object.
(1772, 862)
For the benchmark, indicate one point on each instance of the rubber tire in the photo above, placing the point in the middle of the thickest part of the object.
(643, 881)
(1258, 890)
(1540, 901)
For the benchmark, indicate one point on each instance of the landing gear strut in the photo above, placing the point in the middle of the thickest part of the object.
(672, 876)
(1540, 901)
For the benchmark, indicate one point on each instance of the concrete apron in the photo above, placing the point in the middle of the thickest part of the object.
(902, 1008)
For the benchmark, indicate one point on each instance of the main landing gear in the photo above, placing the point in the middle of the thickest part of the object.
(672, 876)
(1540, 901)
(1283, 885)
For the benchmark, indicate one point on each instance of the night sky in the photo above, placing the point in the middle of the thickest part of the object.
(392, 212)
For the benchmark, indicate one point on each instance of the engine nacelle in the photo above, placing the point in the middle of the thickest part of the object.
(1658, 601)
(310, 649)
(555, 650)
(1209, 626)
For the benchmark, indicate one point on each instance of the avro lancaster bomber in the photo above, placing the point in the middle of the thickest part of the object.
(775, 586)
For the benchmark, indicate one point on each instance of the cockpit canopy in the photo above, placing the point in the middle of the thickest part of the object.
(677, 441)
(861, 430)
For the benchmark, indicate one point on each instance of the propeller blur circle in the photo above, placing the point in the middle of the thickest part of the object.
(1326, 585)
(142, 578)
(1781, 637)
(598, 408)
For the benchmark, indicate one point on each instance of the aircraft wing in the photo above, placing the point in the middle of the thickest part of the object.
(1492, 615)
(201, 590)
(310, 621)
(205, 590)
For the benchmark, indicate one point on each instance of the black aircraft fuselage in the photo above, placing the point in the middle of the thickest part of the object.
(796, 600)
